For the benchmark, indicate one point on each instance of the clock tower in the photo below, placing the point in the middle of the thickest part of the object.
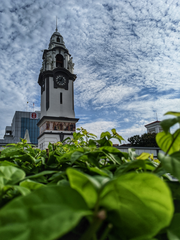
(56, 79)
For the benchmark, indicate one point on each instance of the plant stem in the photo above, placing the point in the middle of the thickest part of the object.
(90, 233)
(106, 232)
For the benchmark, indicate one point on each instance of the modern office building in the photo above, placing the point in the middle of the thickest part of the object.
(23, 122)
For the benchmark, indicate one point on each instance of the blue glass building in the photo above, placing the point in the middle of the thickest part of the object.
(33, 129)
(21, 122)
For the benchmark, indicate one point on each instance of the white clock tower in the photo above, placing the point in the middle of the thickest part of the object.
(56, 79)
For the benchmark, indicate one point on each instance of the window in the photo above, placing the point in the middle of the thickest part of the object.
(59, 60)
(58, 39)
(61, 98)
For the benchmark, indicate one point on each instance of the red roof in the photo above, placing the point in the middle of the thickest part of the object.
(152, 123)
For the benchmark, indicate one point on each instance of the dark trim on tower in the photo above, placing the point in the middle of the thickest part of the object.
(61, 101)
(47, 93)
(55, 72)
(43, 86)
(73, 96)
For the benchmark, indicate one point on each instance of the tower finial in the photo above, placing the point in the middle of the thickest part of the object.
(56, 24)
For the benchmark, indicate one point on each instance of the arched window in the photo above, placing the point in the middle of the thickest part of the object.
(58, 39)
(59, 60)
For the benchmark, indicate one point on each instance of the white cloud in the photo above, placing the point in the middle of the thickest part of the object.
(126, 56)
(114, 94)
(98, 126)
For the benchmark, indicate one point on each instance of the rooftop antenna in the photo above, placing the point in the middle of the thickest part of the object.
(56, 24)
(156, 117)
(27, 107)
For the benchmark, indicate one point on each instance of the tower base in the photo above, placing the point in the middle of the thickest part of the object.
(52, 137)
(55, 129)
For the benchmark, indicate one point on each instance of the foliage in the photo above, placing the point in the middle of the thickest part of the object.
(145, 140)
(86, 189)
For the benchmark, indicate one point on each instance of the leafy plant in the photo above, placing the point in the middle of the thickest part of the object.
(84, 188)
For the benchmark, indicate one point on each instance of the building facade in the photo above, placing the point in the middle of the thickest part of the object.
(154, 127)
(21, 123)
(56, 79)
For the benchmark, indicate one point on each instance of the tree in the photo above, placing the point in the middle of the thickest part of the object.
(145, 140)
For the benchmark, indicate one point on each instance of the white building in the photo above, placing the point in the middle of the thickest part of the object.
(56, 79)
(154, 127)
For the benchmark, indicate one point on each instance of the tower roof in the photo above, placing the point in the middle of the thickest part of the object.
(57, 34)
(56, 40)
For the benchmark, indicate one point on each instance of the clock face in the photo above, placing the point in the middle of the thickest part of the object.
(60, 80)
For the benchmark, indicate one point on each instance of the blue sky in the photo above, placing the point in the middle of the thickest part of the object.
(126, 55)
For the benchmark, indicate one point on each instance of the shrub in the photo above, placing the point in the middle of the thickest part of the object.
(87, 189)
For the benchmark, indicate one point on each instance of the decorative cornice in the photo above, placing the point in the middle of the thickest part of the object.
(49, 118)
(54, 48)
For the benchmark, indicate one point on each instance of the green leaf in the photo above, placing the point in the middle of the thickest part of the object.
(47, 213)
(63, 182)
(125, 167)
(93, 158)
(105, 134)
(111, 149)
(143, 156)
(171, 163)
(76, 155)
(168, 123)
(102, 172)
(10, 192)
(138, 205)
(92, 143)
(7, 163)
(116, 135)
(86, 185)
(177, 114)
(24, 191)
(115, 159)
(57, 176)
(32, 185)
(169, 142)
(114, 154)
(113, 130)
(10, 151)
(40, 174)
(10, 175)
(173, 231)
(104, 142)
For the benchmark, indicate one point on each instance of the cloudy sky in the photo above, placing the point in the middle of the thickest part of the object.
(126, 55)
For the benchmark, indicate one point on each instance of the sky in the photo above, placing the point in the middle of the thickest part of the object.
(126, 55)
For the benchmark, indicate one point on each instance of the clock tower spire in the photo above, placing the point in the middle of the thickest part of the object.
(56, 79)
